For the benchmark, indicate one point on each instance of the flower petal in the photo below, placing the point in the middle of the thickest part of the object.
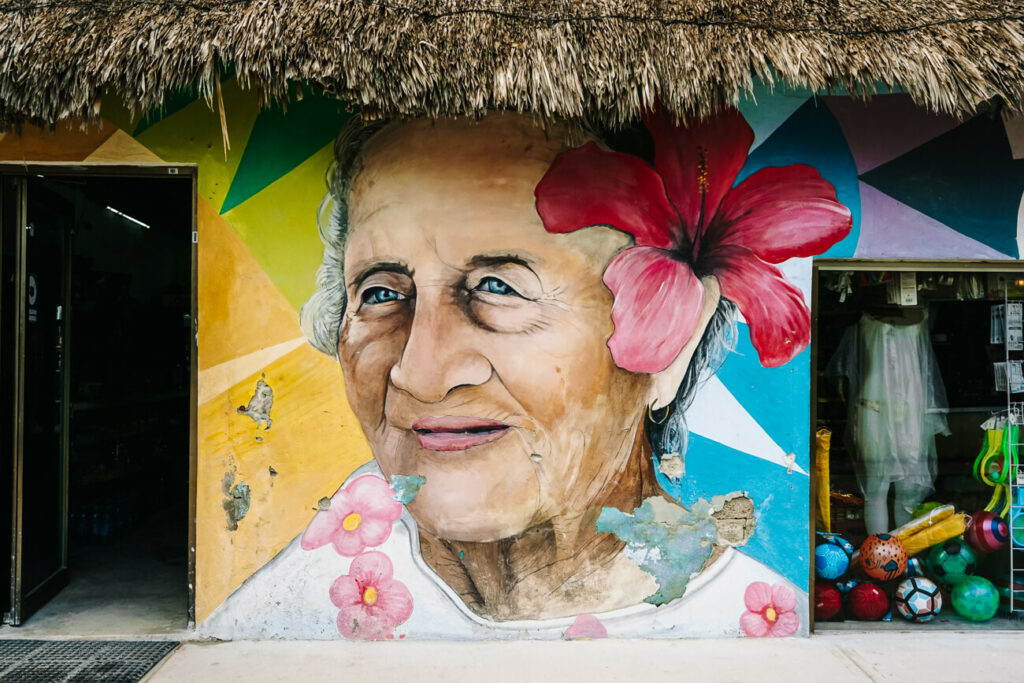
(358, 622)
(586, 626)
(320, 530)
(754, 624)
(372, 497)
(719, 144)
(757, 596)
(786, 625)
(394, 603)
(781, 213)
(348, 543)
(589, 186)
(372, 568)
(657, 304)
(345, 591)
(374, 531)
(778, 318)
(783, 598)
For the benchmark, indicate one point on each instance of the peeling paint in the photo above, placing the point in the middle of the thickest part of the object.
(260, 404)
(672, 466)
(236, 499)
(406, 486)
(666, 540)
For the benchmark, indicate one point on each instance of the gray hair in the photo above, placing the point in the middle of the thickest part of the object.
(321, 316)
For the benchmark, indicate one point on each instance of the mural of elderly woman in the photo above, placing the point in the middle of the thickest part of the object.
(521, 321)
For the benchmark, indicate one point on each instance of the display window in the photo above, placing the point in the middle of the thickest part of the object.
(918, 412)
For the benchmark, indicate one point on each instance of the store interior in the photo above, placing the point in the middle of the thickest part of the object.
(919, 410)
(123, 412)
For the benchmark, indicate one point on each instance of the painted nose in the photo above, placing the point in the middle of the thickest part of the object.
(439, 354)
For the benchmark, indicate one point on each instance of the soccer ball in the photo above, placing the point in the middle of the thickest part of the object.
(918, 599)
(835, 539)
(952, 562)
(830, 561)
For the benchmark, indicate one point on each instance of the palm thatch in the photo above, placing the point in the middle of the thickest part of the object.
(596, 59)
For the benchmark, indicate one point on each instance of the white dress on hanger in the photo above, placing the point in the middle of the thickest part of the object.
(897, 404)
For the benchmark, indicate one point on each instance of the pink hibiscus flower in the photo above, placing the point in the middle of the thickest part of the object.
(688, 221)
(770, 611)
(360, 516)
(372, 603)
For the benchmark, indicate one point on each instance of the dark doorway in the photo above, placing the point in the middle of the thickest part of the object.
(98, 350)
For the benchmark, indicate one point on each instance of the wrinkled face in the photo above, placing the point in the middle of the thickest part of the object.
(474, 344)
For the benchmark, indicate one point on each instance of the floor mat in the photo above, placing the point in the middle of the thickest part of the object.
(53, 661)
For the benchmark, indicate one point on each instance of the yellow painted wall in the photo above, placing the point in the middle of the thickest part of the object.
(257, 264)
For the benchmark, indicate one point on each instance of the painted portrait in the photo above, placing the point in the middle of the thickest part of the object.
(523, 316)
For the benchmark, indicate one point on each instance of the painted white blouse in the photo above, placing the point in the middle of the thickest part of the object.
(289, 599)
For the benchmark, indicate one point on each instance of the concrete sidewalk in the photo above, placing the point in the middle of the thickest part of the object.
(921, 656)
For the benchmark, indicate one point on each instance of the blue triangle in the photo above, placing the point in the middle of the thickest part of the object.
(966, 178)
(781, 501)
(812, 136)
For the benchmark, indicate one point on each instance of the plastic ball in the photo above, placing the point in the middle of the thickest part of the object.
(915, 568)
(827, 601)
(952, 562)
(846, 586)
(830, 561)
(835, 539)
(986, 532)
(867, 601)
(975, 599)
(883, 557)
(918, 599)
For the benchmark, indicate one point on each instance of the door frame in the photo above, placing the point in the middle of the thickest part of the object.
(131, 170)
(862, 264)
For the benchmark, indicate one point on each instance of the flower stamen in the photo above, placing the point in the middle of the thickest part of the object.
(370, 596)
(352, 522)
(770, 614)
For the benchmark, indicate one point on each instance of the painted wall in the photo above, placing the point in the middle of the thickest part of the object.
(915, 185)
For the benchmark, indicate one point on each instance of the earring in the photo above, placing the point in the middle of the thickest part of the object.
(650, 414)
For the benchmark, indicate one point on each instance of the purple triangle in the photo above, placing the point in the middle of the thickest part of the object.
(891, 229)
(886, 127)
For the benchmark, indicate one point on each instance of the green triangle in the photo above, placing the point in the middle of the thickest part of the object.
(281, 140)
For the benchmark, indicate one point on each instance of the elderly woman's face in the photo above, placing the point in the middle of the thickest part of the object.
(474, 344)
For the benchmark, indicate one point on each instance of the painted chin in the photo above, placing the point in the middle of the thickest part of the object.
(451, 433)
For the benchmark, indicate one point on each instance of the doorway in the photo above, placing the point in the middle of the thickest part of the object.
(917, 398)
(97, 361)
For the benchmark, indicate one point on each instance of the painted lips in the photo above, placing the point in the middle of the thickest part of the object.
(457, 433)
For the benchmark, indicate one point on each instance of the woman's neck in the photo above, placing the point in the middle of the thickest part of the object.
(558, 568)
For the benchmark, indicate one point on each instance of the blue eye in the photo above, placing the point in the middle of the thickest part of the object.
(381, 295)
(493, 285)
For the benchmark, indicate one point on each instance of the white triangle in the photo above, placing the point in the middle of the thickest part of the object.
(716, 414)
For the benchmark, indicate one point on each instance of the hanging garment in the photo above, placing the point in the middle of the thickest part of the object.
(897, 404)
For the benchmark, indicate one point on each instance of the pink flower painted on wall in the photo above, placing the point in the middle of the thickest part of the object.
(371, 603)
(688, 221)
(586, 627)
(360, 517)
(770, 610)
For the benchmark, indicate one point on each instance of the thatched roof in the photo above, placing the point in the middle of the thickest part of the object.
(596, 58)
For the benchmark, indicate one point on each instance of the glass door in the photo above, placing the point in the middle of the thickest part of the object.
(42, 217)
